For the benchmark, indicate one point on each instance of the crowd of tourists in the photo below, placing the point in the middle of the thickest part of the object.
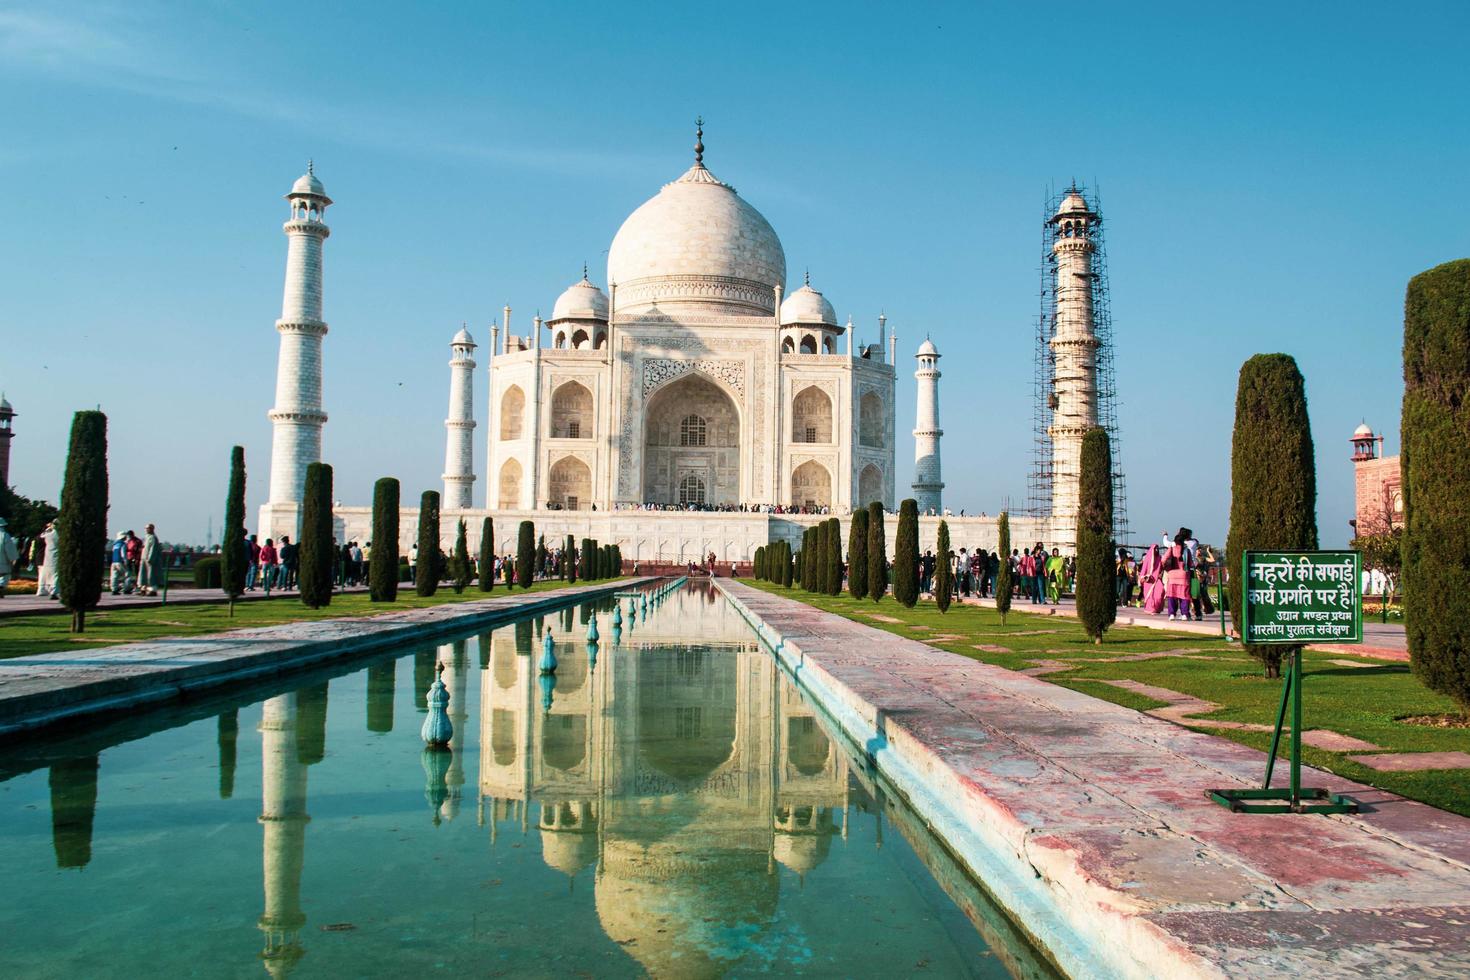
(730, 508)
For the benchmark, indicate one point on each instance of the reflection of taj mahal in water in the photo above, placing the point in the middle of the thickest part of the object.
(684, 777)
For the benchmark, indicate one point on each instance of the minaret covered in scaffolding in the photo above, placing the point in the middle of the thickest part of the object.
(1074, 365)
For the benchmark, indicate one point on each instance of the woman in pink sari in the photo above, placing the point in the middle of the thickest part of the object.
(1151, 578)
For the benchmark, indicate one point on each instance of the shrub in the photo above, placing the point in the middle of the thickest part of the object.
(906, 554)
(758, 566)
(877, 552)
(207, 573)
(487, 555)
(426, 569)
(541, 556)
(1436, 479)
(857, 554)
(1273, 477)
(317, 552)
(834, 557)
(584, 560)
(1003, 583)
(787, 569)
(383, 564)
(459, 561)
(1097, 586)
(569, 559)
(525, 554)
(232, 547)
(405, 573)
(943, 575)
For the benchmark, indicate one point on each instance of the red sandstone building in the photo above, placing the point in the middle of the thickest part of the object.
(1380, 495)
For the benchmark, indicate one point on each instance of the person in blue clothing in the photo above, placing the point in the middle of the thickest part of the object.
(121, 580)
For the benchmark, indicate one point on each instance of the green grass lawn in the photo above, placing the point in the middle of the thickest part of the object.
(1359, 697)
(46, 633)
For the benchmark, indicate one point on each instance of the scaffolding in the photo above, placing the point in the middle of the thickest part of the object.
(1043, 384)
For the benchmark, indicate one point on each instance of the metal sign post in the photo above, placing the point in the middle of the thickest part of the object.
(1296, 597)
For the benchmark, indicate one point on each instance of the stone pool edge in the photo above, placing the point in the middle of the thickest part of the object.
(66, 686)
(937, 793)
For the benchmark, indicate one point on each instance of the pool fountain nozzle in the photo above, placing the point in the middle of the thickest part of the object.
(437, 730)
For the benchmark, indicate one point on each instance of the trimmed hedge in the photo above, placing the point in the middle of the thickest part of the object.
(383, 564)
(1003, 583)
(943, 574)
(487, 555)
(526, 554)
(207, 573)
(1436, 479)
(906, 554)
(317, 554)
(877, 552)
(232, 546)
(1097, 580)
(1273, 476)
(426, 569)
(857, 554)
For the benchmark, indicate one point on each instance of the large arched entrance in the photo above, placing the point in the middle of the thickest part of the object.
(691, 445)
(870, 486)
(811, 485)
(571, 484)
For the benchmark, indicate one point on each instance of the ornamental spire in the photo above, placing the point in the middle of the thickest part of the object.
(699, 141)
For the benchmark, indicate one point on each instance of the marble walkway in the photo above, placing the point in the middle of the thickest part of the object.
(1090, 821)
(59, 687)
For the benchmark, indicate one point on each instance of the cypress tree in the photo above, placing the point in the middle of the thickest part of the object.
(232, 548)
(796, 566)
(1003, 583)
(834, 556)
(1097, 585)
(459, 561)
(823, 559)
(525, 554)
(584, 560)
(906, 554)
(426, 572)
(857, 554)
(943, 574)
(1436, 479)
(1273, 476)
(487, 555)
(383, 565)
(617, 560)
(877, 552)
(758, 565)
(541, 556)
(569, 559)
(316, 552)
(81, 525)
(787, 571)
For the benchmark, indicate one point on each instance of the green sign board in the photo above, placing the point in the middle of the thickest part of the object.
(1302, 597)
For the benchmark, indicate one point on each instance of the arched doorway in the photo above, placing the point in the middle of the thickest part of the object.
(870, 486)
(811, 485)
(512, 408)
(510, 485)
(570, 483)
(811, 416)
(571, 412)
(691, 429)
(871, 423)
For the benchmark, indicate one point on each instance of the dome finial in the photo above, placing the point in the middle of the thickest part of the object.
(699, 141)
(807, 277)
(584, 272)
(310, 167)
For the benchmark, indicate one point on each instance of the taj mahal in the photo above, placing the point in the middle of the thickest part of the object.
(694, 382)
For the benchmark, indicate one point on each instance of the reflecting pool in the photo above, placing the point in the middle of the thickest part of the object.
(667, 803)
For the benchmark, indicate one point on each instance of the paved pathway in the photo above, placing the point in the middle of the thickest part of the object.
(30, 605)
(63, 686)
(1090, 821)
(1381, 641)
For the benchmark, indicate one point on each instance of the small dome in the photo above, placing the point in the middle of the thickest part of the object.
(463, 338)
(1073, 203)
(309, 184)
(807, 305)
(5, 405)
(927, 349)
(1363, 431)
(581, 301)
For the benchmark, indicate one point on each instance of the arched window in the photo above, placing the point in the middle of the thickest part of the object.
(871, 423)
(579, 340)
(691, 489)
(808, 344)
(512, 406)
(811, 416)
(571, 412)
(826, 344)
(788, 346)
(692, 433)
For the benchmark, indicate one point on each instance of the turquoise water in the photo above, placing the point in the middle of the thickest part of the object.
(677, 808)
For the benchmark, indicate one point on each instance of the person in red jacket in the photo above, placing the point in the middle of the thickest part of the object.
(269, 565)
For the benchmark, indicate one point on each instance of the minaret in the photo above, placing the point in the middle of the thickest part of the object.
(459, 445)
(927, 483)
(298, 417)
(6, 434)
(1074, 347)
(283, 819)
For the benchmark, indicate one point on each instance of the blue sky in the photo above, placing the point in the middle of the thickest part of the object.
(1271, 177)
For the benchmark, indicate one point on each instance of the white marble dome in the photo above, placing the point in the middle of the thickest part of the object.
(807, 306)
(581, 301)
(1363, 430)
(1073, 203)
(308, 183)
(697, 243)
(463, 338)
(927, 349)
